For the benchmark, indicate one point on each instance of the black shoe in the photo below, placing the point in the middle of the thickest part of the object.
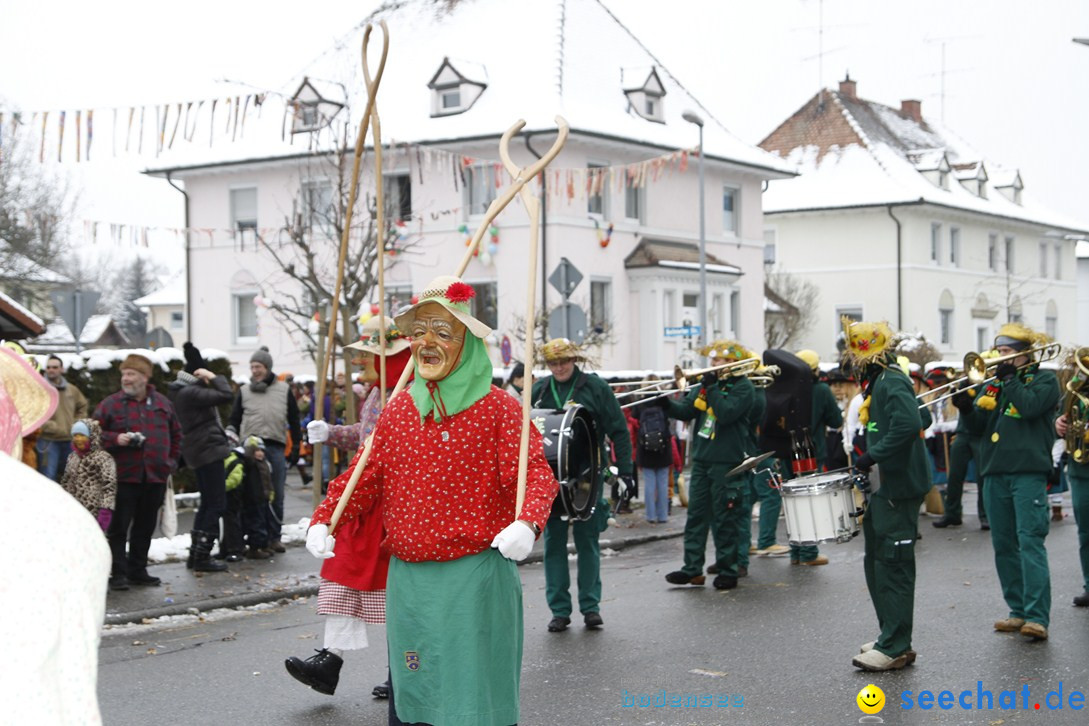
(381, 690)
(558, 625)
(712, 569)
(142, 578)
(119, 582)
(984, 525)
(742, 571)
(200, 553)
(725, 582)
(680, 577)
(947, 522)
(1082, 600)
(321, 672)
(233, 557)
(593, 620)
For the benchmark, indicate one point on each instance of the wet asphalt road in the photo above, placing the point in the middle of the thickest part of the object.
(783, 642)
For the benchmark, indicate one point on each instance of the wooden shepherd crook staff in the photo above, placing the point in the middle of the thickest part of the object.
(497, 206)
(360, 142)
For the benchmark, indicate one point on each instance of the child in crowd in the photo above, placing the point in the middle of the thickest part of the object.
(90, 474)
(249, 491)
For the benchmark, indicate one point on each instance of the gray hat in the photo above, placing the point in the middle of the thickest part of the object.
(262, 356)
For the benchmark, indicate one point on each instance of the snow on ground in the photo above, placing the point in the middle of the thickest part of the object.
(173, 549)
(191, 618)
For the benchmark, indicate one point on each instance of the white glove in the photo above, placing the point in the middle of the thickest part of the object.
(516, 541)
(317, 431)
(319, 542)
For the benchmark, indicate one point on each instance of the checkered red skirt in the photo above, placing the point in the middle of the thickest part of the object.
(366, 605)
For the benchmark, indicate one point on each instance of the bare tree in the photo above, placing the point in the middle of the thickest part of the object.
(796, 301)
(598, 334)
(917, 349)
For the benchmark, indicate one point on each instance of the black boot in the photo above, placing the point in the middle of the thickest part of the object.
(200, 551)
(321, 672)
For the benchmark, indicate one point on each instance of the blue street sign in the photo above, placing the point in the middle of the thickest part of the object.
(682, 331)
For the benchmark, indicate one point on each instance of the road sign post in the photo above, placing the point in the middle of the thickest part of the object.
(75, 307)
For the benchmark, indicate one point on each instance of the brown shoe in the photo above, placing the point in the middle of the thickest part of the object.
(1009, 625)
(1034, 631)
(276, 546)
(816, 561)
(1056, 513)
(258, 554)
(875, 660)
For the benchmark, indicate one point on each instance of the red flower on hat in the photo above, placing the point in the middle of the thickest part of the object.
(459, 292)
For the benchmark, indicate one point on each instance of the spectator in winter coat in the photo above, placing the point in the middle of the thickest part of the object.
(249, 488)
(141, 432)
(199, 395)
(90, 474)
(654, 454)
(55, 442)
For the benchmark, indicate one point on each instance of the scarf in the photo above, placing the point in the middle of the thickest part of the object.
(470, 381)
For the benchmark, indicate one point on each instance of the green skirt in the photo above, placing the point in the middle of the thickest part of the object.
(455, 640)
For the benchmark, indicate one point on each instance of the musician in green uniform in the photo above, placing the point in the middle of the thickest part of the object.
(750, 488)
(890, 414)
(719, 408)
(1016, 413)
(566, 386)
(1073, 427)
(962, 451)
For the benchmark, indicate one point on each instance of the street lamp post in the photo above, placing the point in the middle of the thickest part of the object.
(692, 118)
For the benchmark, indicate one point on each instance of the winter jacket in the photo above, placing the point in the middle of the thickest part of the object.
(71, 406)
(893, 434)
(266, 409)
(92, 478)
(203, 437)
(653, 459)
(826, 415)
(154, 417)
(722, 432)
(1018, 433)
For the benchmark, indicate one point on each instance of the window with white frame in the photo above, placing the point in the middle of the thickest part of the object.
(954, 246)
(1016, 312)
(244, 212)
(669, 315)
(1058, 260)
(1043, 259)
(633, 199)
(992, 252)
(945, 317)
(729, 210)
(735, 312)
(479, 188)
(397, 192)
(244, 316)
(485, 304)
(717, 317)
(935, 243)
(1009, 254)
(600, 305)
(397, 297)
(852, 312)
(597, 188)
(1051, 320)
(177, 319)
(983, 338)
(771, 237)
(318, 206)
(450, 99)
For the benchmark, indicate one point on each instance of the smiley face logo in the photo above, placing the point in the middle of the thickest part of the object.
(871, 699)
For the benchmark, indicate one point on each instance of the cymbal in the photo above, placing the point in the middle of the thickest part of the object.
(749, 463)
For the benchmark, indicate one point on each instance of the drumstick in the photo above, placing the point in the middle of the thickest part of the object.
(498, 205)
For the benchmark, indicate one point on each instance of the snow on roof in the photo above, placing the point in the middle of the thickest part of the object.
(26, 269)
(103, 358)
(885, 168)
(21, 310)
(172, 293)
(569, 64)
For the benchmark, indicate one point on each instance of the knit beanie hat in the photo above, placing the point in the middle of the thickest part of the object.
(138, 362)
(194, 361)
(80, 428)
(262, 356)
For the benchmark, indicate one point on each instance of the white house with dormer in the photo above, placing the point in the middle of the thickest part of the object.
(894, 218)
(620, 201)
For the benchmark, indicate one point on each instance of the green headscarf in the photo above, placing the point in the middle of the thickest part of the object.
(470, 381)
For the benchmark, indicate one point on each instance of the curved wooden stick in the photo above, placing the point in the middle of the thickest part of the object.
(497, 206)
(533, 209)
(353, 190)
(380, 226)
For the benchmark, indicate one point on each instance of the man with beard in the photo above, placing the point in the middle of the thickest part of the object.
(266, 408)
(55, 442)
(141, 431)
(443, 469)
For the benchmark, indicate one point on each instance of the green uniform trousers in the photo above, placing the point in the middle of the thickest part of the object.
(771, 505)
(889, 528)
(1079, 492)
(558, 569)
(744, 531)
(1018, 511)
(961, 452)
(713, 503)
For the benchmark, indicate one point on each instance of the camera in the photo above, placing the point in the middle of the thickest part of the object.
(136, 439)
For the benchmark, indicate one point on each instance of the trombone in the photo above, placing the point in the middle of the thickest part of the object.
(977, 368)
(1077, 425)
(745, 367)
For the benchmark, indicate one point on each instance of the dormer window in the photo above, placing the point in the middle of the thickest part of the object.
(934, 165)
(1012, 189)
(973, 177)
(316, 102)
(646, 100)
(452, 91)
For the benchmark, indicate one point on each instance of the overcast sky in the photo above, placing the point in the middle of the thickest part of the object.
(1014, 82)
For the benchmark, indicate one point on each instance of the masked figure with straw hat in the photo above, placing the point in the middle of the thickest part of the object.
(890, 416)
(54, 597)
(444, 467)
(353, 585)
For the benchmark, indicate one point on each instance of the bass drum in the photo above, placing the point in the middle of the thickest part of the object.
(571, 450)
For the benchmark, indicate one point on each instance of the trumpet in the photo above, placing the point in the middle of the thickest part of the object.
(1077, 418)
(979, 370)
(765, 376)
(680, 379)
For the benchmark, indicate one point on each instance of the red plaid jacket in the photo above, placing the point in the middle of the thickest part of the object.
(153, 416)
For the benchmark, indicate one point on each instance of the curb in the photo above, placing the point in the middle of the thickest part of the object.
(248, 599)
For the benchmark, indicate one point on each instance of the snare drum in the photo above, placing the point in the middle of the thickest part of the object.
(571, 450)
(820, 508)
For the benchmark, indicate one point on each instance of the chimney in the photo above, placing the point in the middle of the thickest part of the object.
(912, 110)
(847, 88)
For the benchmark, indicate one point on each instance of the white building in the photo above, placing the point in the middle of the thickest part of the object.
(621, 198)
(894, 218)
(165, 309)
